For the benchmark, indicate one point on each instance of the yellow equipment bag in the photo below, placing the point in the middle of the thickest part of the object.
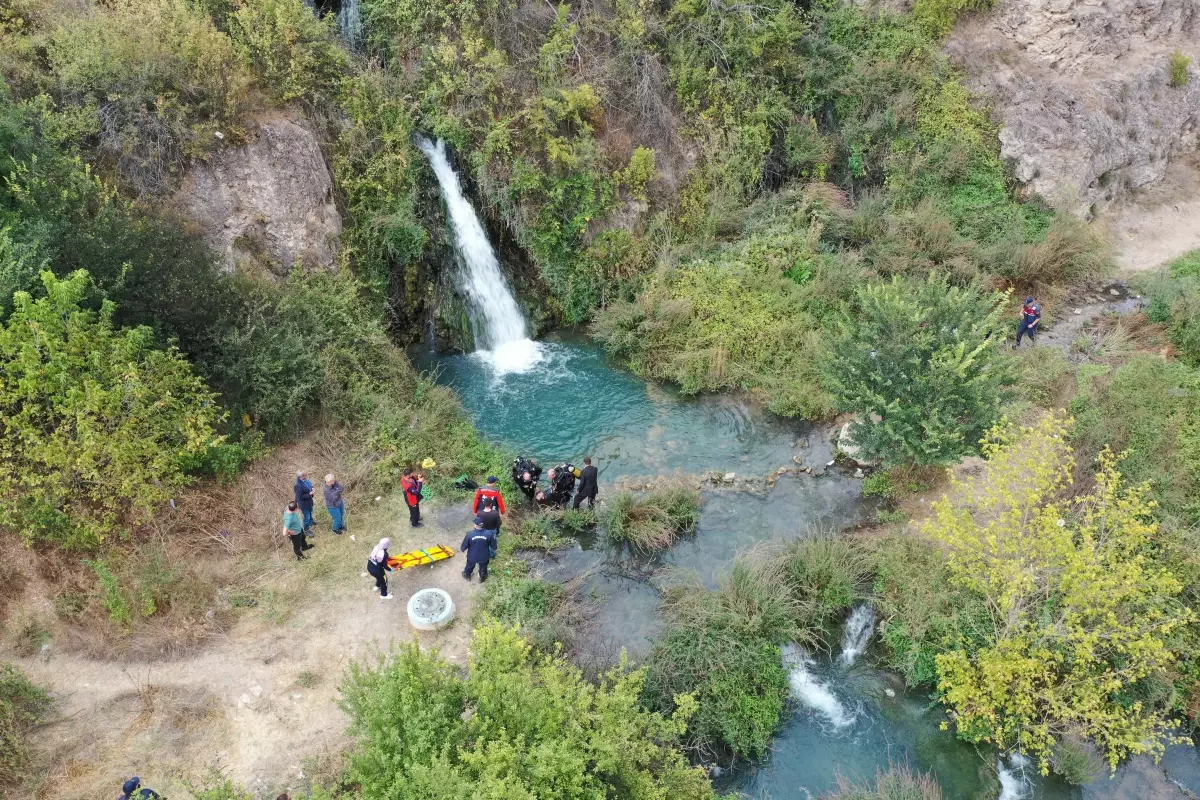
(419, 558)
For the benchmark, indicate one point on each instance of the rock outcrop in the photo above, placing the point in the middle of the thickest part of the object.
(267, 204)
(1083, 91)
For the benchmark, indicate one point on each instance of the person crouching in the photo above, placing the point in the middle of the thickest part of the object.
(479, 545)
(377, 567)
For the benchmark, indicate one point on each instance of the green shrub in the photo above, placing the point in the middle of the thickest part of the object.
(938, 16)
(897, 783)
(1077, 763)
(115, 436)
(22, 705)
(532, 605)
(1180, 62)
(653, 521)
(921, 365)
(295, 55)
(825, 574)
(1043, 376)
(880, 484)
(517, 722)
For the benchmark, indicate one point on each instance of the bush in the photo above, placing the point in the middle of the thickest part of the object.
(517, 722)
(22, 705)
(898, 783)
(1043, 376)
(296, 55)
(654, 521)
(1180, 62)
(920, 364)
(112, 439)
(530, 605)
(825, 575)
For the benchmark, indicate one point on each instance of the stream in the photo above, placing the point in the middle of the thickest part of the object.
(560, 399)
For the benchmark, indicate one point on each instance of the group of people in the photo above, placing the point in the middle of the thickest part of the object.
(298, 521)
(562, 482)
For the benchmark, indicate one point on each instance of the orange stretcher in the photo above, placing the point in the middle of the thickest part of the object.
(419, 558)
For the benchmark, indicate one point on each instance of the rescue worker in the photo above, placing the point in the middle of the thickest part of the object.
(129, 791)
(377, 567)
(562, 484)
(492, 490)
(335, 504)
(303, 489)
(479, 546)
(1031, 315)
(525, 474)
(490, 516)
(587, 485)
(293, 529)
(413, 485)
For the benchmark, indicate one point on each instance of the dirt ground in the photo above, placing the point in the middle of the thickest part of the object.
(1159, 223)
(260, 702)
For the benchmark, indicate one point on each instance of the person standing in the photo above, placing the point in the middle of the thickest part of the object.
(490, 516)
(413, 486)
(129, 791)
(478, 545)
(335, 503)
(377, 567)
(587, 485)
(303, 489)
(1031, 315)
(492, 490)
(293, 528)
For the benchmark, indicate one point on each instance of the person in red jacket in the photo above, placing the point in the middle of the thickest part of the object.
(491, 491)
(412, 486)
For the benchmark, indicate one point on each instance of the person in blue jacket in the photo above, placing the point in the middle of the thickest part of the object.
(479, 545)
(1031, 315)
(130, 791)
(303, 489)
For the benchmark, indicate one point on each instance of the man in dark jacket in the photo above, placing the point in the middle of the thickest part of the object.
(130, 791)
(1031, 315)
(335, 504)
(587, 485)
(304, 499)
(478, 545)
(490, 516)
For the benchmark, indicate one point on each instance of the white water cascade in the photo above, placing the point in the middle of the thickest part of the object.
(496, 319)
(812, 692)
(1013, 783)
(349, 21)
(857, 633)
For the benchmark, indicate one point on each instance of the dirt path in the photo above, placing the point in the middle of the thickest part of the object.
(262, 703)
(1159, 223)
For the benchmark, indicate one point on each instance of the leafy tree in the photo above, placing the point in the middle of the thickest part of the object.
(920, 363)
(96, 424)
(519, 725)
(296, 55)
(1080, 619)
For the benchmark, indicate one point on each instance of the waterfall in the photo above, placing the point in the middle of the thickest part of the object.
(812, 692)
(496, 320)
(857, 633)
(1013, 783)
(349, 21)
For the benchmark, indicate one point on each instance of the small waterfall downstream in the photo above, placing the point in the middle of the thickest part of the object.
(812, 692)
(349, 22)
(857, 634)
(1013, 783)
(496, 319)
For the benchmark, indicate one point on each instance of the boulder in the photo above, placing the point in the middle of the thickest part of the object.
(850, 450)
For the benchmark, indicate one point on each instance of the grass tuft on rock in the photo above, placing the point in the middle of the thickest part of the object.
(654, 521)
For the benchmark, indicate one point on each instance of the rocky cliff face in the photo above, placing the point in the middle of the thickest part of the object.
(267, 204)
(1083, 93)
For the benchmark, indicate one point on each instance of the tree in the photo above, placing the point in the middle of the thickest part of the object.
(921, 365)
(1080, 617)
(96, 424)
(519, 725)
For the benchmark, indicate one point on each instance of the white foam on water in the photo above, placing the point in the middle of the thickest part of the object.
(1013, 783)
(496, 319)
(812, 692)
(857, 633)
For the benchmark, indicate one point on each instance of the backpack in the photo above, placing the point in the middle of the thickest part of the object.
(465, 482)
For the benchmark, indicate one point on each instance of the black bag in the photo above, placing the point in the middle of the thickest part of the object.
(465, 482)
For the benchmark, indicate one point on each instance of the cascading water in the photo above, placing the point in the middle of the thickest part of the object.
(812, 692)
(1013, 783)
(496, 319)
(349, 21)
(857, 634)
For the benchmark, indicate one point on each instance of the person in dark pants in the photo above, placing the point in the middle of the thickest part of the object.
(492, 490)
(525, 474)
(303, 490)
(412, 486)
(335, 503)
(478, 545)
(293, 528)
(130, 791)
(587, 485)
(1031, 315)
(378, 568)
(490, 516)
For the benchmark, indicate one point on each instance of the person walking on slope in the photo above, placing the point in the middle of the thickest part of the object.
(1031, 315)
(587, 485)
(377, 566)
(335, 503)
(303, 489)
(492, 490)
(478, 545)
(490, 516)
(293, 528)
(130, 791)
(413, 486)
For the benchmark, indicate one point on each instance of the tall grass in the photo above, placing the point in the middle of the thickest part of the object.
(825, 575)
(654, 521)
(897, 783)
(22, 704)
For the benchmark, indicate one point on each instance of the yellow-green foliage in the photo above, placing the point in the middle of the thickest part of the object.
(639, 172)
(22, 705)
(1180, 62)
(96, 424)
(938, 16)
(1080, 617)
(295, 55)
